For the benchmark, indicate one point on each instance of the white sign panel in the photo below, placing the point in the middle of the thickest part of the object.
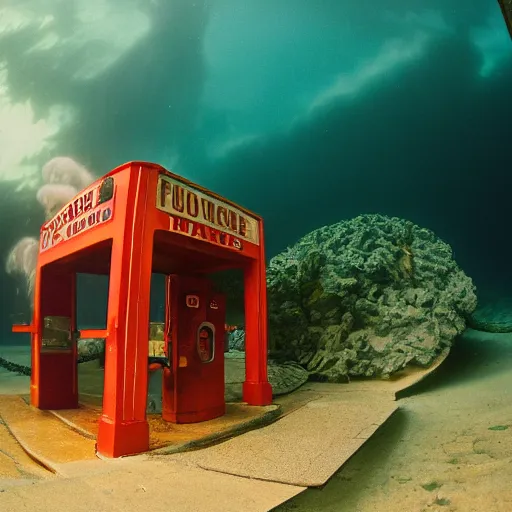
(184, 202)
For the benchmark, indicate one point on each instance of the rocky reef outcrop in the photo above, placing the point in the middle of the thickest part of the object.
(494, 316)
(90, 348)
(236, 340)
(365, 298)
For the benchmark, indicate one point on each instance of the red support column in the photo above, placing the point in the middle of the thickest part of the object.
(256, 388)
(123, 427)
(35, 344)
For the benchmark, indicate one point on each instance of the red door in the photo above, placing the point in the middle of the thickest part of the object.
(194, 390)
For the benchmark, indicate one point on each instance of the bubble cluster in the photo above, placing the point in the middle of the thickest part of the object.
(63, 179)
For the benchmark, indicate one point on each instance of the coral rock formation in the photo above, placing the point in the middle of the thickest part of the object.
(365, 298)
(236, 340)
(494, 316)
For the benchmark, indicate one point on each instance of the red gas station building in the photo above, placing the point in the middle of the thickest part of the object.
(137, 220)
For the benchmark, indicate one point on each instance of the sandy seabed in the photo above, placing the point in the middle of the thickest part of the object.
(448, 447)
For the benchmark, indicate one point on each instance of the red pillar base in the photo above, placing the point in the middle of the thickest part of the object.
(34, 396)
(116, 439)
(257, 393)
(55, 384)
(196, 416)
(51, 401)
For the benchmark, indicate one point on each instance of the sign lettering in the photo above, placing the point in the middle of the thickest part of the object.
(79, 215)
(196, 214)
(197, 230)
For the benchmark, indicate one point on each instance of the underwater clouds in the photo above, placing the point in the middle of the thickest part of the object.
(63, 178)
(308, 115)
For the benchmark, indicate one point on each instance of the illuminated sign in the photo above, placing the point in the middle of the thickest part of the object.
(81, 214)
(197, 214)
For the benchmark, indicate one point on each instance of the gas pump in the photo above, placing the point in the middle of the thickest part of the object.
(193, 385)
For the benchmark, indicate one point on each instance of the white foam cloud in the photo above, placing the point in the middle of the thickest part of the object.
(14, 18)
(493, 41)
(114, 30)
(393, 55)
(105, 28)
(22, 136)
(102, 26)
(221, 149)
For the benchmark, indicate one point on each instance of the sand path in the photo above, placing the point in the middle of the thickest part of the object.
(448, 448)
(437, 453)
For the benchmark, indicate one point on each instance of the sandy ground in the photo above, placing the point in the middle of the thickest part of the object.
(448, 448)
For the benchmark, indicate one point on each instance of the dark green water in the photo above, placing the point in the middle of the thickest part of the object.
(308, 113)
